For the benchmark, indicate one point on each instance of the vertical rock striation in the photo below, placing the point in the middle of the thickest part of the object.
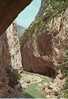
(14, 48)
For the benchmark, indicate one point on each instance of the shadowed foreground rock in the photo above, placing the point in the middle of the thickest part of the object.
(9, 11)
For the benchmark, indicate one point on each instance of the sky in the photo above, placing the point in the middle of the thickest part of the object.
(27, 16)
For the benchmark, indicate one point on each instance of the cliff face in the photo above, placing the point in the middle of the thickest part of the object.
(14, 47)
(4, 51)
(44, 50)
(47, 35)
(10, 64)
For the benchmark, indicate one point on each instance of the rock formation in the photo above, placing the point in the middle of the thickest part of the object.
(42, 48)
(14, 47)
(38, 57)
(10, 63)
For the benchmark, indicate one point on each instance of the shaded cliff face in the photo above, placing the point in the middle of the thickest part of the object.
(4, 51)
(34, 62)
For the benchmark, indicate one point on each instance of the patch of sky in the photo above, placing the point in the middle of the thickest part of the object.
(27, 16)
